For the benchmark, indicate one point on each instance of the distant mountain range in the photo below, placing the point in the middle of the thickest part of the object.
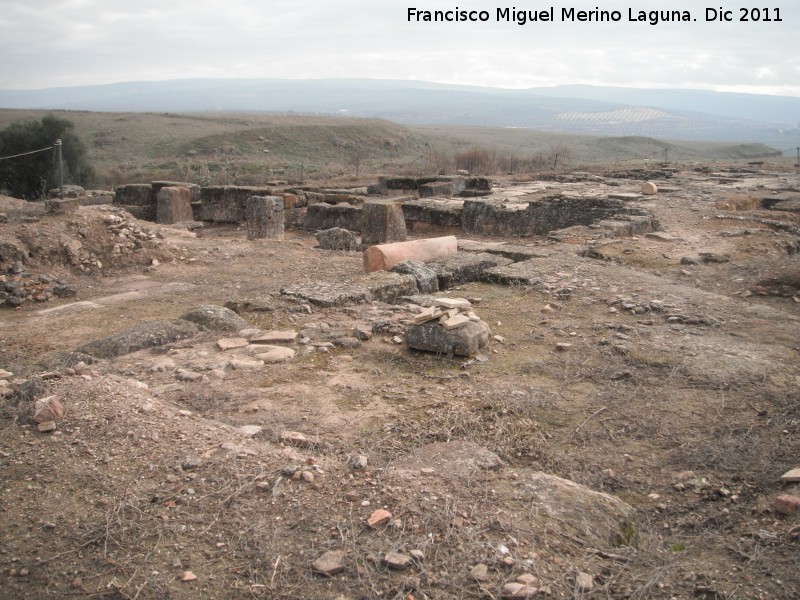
(670, 114)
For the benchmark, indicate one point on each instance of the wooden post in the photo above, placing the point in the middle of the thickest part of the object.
(60, 169)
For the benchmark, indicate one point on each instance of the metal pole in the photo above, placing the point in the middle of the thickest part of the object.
(60, 170)
(798, 156)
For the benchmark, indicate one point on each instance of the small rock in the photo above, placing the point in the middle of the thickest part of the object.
(46, 427)
(275, 337)
(479, 572)
(456, 321)
(232, 343)
(362, 333)
(276, 355)
(357, 462)
(518, 591)
(191, 462)
(329, 564)
(787, 505)
(250, 430)
(347, 342)
(307, 476)
(162, 364)
(563, 346)
(184, 375)
(791, 476)
(397, 561)
(246, 365)
(188, 576)
(417, 555)
(295, 438)
(461, 303)
(379, 518)
(48, 409)
(584, 582)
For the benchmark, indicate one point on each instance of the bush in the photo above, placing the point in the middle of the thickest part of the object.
(30, 177)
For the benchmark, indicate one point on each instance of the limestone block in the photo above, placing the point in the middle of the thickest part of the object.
(467, 340)
(264, 216)
(381, 222)
(337, 238)
(173, 205)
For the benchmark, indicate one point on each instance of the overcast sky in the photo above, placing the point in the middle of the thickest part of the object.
(46, 43)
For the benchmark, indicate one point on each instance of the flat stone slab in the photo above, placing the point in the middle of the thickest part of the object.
(442, 213)
(146, 335)
(625, 196)
(452, 460)
(381, 286)
(274, 337)
(276, 355)
(522, 273)
(465, 267)
(661, 236)
(515, 252)
(600, 519)
(216, 318)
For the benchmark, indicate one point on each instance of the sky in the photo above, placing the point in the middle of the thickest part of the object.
(48, 43)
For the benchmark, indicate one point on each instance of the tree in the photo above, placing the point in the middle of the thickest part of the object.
(31, 176)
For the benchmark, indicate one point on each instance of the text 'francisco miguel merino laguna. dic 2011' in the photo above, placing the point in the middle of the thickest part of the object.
(572, 15)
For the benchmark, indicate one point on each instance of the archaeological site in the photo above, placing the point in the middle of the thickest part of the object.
(573, 383)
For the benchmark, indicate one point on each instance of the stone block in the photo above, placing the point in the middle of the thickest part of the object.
(264, 216)
(227, 204)
(193, 188)
(174, 205)
(427, 281)
(135, 194)
(61, 206)
(326, 216)
(382, 221)
(466, 340)
(337, 239)
(385, 256)
(380, 286)
(460, 268)
(441, 213)
(437, 188)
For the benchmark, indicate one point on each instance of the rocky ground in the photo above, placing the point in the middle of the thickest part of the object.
(624, 435)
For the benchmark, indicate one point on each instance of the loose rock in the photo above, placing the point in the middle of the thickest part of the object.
(329, 564)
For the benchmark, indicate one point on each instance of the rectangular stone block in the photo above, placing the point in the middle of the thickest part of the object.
(135, 194)
(226, 204)
(174, 205)
(193, 188)
(326, 216)
(264, 217)
(382, 221)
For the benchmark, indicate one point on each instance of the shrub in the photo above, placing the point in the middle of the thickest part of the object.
(31, 176)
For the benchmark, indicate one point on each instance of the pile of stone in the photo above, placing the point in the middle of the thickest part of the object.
(20, 287)
(448, 327)
(129, 236)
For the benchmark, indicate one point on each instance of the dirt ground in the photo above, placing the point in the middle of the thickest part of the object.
(674, 391)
